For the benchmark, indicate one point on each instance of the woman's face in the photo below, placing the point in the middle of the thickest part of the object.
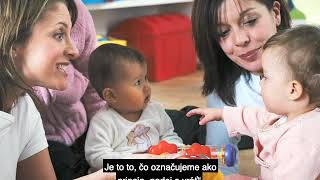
(43, 59)
(244, 27)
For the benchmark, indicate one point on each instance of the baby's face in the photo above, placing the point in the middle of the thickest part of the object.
(275, 81)
(133, 92)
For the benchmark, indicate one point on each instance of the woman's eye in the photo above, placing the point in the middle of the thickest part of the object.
(250, 22)
(59, 36)
(223, 34)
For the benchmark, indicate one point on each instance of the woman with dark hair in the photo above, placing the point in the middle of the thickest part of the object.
(229, 35)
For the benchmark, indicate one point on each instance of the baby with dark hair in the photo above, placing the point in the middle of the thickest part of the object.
(132, 122)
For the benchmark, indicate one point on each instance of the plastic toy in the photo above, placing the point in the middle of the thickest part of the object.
(104, 40)
(212, 176)
(93, 1)
(197, 149)
(226, 154)
(162, 148)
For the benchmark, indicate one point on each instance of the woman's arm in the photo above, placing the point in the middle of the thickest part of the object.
(36, 167)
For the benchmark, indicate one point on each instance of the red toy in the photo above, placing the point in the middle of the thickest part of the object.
(197, 150)
(226, 153)
(163, 147)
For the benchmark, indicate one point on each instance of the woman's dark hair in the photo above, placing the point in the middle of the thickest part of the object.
(220, 73)
(72, 8)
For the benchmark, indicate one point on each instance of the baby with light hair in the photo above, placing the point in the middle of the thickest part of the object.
(286, 134)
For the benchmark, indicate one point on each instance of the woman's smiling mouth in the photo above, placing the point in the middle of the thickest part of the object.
(250, 55)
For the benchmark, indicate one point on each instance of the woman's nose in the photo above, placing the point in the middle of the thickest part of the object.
(241, 37)
(72, 51)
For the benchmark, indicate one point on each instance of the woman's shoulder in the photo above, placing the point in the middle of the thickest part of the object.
(25, 105)
(25, 112)
(251, 82)
(248, 91)
(25, 115)
(26, 118)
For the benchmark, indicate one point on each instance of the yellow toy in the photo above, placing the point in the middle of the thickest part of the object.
(212, 176)
(103, 40)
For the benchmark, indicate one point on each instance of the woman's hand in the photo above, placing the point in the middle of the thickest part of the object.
(208, 114)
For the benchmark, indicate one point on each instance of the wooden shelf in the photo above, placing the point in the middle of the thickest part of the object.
(133, 3)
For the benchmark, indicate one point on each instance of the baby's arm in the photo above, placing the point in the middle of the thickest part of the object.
(208, 114)
(238, 120)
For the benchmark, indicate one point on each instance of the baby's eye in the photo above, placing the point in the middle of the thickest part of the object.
(262, 77)
(138, 83)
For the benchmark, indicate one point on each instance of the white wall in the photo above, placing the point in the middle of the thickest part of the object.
(105, 19)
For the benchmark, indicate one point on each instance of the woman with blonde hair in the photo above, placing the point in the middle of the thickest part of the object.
(36, 48)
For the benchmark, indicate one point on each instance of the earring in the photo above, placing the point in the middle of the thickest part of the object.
(278, 22)
(14, 55)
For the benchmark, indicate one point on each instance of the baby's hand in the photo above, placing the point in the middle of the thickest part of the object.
(208, 114)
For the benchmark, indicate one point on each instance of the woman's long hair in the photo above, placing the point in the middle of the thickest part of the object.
(17, 20)
(220, 73)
